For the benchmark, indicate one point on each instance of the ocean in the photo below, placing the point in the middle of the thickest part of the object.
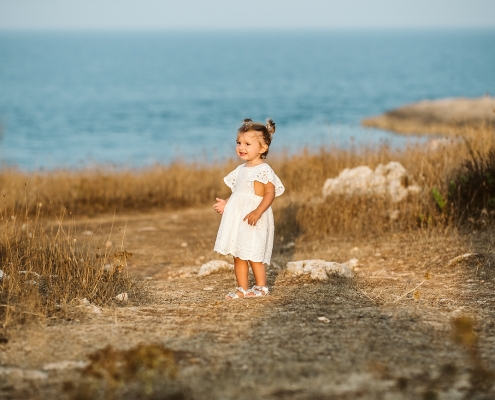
(133, 99)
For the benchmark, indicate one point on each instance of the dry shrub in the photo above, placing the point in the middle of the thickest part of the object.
(472, 188)
(45, 272)
(147, 371)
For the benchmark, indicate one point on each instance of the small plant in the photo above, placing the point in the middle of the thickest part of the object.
(146, 371)
(439, 200)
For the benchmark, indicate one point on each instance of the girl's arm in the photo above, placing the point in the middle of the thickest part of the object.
(267, 201)
(219, 206)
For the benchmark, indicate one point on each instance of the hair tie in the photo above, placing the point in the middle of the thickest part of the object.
(270, 126)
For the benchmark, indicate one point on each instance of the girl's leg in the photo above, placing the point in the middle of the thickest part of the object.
(241, 269)
(259, 273)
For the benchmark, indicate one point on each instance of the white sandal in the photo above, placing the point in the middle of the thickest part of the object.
(232, 296)
(260, 291)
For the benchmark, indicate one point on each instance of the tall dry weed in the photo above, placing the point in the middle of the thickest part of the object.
(47, 272)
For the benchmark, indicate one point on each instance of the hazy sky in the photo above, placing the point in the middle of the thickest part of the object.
(244, 14)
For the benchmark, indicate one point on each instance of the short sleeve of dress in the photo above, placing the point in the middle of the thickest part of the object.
(231, 178)
(264, 175)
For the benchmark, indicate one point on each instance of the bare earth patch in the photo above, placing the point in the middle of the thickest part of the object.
(387, 332)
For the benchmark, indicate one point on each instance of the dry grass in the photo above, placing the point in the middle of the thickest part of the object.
(47, 272)
(59, 270)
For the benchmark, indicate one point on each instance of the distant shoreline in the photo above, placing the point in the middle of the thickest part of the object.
(437, 117)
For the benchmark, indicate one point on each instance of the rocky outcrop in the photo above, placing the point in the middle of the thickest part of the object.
(443, 116)
(391, 180)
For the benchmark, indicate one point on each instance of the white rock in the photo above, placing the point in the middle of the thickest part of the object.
(2, 274)
(87, 233)
(394, 215)
(324, 319)
(342, 270)
(108, 267)
(214, 266)
(88, 307)
(386, 180)
(318, 269)
(461, 257)
(21, 374)
(122, 297)
(353, 262)
(92, 308)
(61, 365)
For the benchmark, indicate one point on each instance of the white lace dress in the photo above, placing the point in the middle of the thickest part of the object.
(235, 236)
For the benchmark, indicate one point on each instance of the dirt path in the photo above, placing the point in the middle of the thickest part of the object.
(389, 333)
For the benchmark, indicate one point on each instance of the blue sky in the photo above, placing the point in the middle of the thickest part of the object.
(244, 14)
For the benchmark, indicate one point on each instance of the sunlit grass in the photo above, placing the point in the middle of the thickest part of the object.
(46, 270)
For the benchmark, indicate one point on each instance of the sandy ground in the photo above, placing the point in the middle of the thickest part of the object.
(389, 333)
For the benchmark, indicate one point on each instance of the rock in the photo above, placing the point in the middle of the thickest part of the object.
(443, 116)
(460, 258)
(122, 297)
(215, 266)
(92, 308)
(86, 305)
(324, 319)
(22, 374)
(289, 245)
(84, 302)
(318, 269)
(353, 262)
(61, 365)
(2, 275)
(391, 180)
(87, 233)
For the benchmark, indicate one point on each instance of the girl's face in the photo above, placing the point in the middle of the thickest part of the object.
(249, 146)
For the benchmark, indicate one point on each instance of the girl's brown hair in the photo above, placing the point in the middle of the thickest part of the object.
(266, 131)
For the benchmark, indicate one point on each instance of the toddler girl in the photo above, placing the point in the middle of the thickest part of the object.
(246, 230)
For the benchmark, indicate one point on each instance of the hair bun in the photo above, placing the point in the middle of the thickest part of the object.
(247, 120)
(270, 126)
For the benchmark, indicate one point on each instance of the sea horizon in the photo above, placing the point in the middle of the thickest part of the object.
(134, 98)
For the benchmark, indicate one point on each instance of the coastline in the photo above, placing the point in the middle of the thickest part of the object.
(437, 117)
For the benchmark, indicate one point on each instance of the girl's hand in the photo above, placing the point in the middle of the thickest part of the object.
(219, 206)
(253, 217)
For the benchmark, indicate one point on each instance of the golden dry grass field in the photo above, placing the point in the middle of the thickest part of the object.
(415, 321)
